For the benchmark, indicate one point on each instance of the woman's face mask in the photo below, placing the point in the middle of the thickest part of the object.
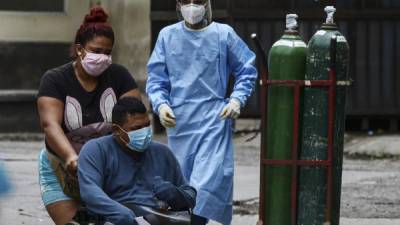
(193, 13)
(95, 64)
(139, 140)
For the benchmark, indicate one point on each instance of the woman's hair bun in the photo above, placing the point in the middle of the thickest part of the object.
(96, 15)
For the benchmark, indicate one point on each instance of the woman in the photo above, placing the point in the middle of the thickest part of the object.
(75, 102)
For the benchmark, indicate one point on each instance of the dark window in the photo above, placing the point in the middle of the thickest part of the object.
(219, 4)
(260, 4)
(281, 4)
(310, 4)
(165, 5)
(307, 4)
(169, 5)
(32, 5)
(368, 4)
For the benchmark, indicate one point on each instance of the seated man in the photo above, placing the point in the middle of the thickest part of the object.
(129, 168)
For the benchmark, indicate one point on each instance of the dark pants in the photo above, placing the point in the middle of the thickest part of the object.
(198, 220)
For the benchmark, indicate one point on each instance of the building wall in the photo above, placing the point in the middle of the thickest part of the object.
(32, 42)
(131, 21)
(20, 26)
(372, 28)
(37, 37)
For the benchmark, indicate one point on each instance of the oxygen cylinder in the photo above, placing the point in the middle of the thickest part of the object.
(286, 62)
(312, 202)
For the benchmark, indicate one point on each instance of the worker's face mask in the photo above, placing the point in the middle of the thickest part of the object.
(95, 64)
(139, 140)
(193, 13)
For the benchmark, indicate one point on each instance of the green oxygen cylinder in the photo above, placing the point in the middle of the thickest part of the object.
(286, 62)
(312, 197)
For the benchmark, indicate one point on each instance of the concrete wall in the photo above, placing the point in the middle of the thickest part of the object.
(19, 26)
(33, 42)
(131, 21)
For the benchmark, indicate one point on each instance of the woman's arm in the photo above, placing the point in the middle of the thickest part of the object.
(51, 114)
(133, 93)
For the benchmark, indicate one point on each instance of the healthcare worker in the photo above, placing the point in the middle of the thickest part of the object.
(189, 71)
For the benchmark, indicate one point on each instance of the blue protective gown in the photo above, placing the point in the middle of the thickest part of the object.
(189, 70)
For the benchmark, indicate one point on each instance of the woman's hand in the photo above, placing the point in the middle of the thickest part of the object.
(71, 164)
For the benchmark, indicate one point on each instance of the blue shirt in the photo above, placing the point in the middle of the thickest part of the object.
(109, 177)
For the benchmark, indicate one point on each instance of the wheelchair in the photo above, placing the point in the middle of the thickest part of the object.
(153, 216)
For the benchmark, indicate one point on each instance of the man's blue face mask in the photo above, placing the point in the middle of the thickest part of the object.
(139, 140)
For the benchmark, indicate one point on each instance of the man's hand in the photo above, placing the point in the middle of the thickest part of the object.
(232, 109)
(164, 190)
(167, 116)
(71, 164)
(178, 198)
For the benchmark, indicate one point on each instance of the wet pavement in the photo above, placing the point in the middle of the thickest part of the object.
(370, 193)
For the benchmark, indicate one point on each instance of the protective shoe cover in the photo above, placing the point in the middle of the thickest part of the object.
(189, 70)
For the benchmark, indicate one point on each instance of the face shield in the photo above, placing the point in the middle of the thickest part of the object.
(208, 13)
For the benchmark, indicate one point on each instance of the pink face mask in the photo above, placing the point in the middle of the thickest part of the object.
(95, 64)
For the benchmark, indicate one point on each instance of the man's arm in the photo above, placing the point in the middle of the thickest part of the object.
(189, 193)
(91, 167)
(177, 193)
(178, 197)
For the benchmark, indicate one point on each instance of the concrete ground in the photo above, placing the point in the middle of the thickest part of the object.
(370, 192)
